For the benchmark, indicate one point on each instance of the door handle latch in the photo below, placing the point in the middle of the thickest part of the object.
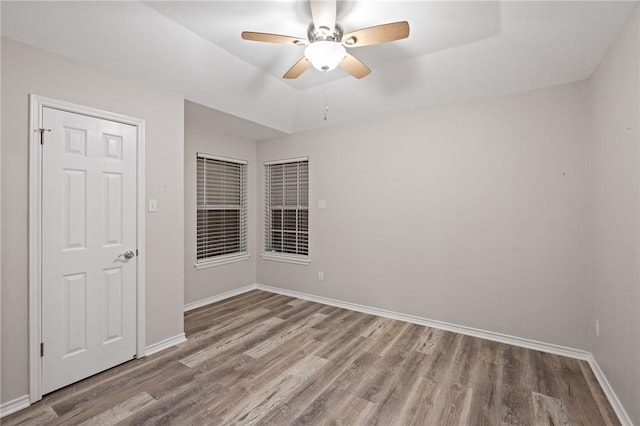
(127, 254)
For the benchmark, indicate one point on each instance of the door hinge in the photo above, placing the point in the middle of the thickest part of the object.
(41, 131)
(41, 349)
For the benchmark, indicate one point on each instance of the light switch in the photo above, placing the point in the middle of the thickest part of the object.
(322, 204)
(153, 205)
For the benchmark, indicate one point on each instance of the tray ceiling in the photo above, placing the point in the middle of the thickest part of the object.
(457, 51)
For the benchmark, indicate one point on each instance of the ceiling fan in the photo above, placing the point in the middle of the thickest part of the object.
(326, 43)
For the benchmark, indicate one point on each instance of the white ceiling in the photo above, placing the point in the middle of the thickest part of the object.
(457, 51)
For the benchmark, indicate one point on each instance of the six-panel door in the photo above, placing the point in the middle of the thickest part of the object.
(88, 222)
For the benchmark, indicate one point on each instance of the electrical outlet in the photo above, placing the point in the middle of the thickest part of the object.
(320, 276)
(597, 327)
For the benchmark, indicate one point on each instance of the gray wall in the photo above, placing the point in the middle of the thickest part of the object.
(614, 102)
(201, 134)
(27, 70)
(473, 214)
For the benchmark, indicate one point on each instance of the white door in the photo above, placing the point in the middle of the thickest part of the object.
(88, 223)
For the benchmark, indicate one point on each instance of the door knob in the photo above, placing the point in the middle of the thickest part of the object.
(127, 254)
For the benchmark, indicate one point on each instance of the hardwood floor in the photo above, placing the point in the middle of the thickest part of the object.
(262, 358)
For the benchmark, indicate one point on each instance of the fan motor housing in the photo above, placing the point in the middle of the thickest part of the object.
(324, 33)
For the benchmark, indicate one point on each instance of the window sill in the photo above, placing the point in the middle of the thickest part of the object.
(296, 260)
(222, 261)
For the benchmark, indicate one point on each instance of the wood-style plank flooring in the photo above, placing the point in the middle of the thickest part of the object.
(262, 358)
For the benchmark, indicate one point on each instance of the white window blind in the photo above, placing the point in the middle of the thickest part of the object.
(222, 207)
(287, 207)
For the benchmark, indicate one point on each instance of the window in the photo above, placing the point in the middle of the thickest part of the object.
(287, 211)
(221, 235)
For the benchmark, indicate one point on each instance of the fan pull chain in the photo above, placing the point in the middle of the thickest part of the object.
(326, 95)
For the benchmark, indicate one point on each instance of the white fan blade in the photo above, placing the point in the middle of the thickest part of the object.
(323, 13)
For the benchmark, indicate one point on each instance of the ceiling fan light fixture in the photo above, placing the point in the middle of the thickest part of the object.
(325, 55)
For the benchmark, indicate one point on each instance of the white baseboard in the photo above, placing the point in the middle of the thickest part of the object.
(22, 402)
(461, 329)
(219, 297)
(12, 406)
(608, 391)
(164, 344)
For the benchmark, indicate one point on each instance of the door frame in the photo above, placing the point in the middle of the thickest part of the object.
(36, 105)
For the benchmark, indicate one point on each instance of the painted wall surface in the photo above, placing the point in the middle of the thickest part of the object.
(27, 70)
(202, 135)
(614, 111)
(473, 214)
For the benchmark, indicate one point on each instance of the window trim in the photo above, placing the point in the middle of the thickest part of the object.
(224, 259)
(296, 259)
(288, 160)
(220, 158)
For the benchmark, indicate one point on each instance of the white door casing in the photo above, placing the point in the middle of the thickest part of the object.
(88, 298)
